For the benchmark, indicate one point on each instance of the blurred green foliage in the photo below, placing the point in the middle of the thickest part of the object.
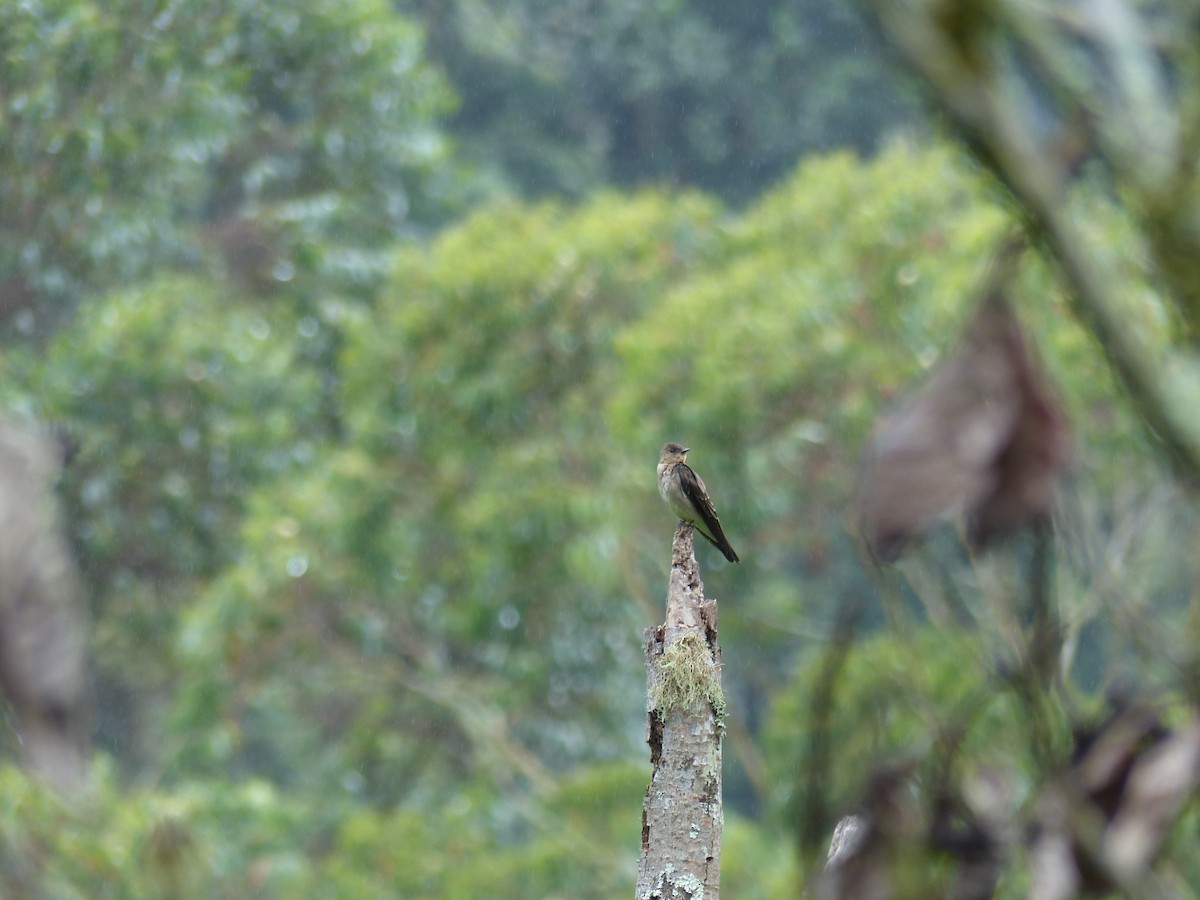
(406, 640)
(268, 141)
(369, 522)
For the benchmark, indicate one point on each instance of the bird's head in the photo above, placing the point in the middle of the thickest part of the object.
(673, 453)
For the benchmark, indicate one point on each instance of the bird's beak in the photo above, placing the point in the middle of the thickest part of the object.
(687, 449)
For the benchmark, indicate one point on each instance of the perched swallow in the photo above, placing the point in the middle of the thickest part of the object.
(684, 492)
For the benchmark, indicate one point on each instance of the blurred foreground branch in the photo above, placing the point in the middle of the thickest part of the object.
(1095, 826)
(682, 815)
(1038, 88)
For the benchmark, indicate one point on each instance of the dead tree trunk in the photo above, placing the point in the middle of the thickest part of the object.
(682, 814)
(43, 628)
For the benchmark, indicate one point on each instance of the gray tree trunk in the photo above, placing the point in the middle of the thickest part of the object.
(43, 625)
(682, 814)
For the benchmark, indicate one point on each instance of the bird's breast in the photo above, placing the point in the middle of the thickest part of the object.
(666, 482)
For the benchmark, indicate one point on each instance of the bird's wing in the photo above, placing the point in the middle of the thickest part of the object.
(693, 488)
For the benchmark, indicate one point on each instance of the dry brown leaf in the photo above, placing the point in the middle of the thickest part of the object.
(984, 437)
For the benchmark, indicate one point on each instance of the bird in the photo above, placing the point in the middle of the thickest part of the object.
(685, 494)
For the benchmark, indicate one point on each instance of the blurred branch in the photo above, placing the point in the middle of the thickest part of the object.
(418, 668)
(1046, 633)
(753, 765)
(992, 67)
(486, 727)
(811, 820)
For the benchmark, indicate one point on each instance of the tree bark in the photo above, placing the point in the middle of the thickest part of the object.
(682, 814)
(43, 625)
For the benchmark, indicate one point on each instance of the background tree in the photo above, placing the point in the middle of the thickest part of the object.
(138, 134)
(568, 97)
